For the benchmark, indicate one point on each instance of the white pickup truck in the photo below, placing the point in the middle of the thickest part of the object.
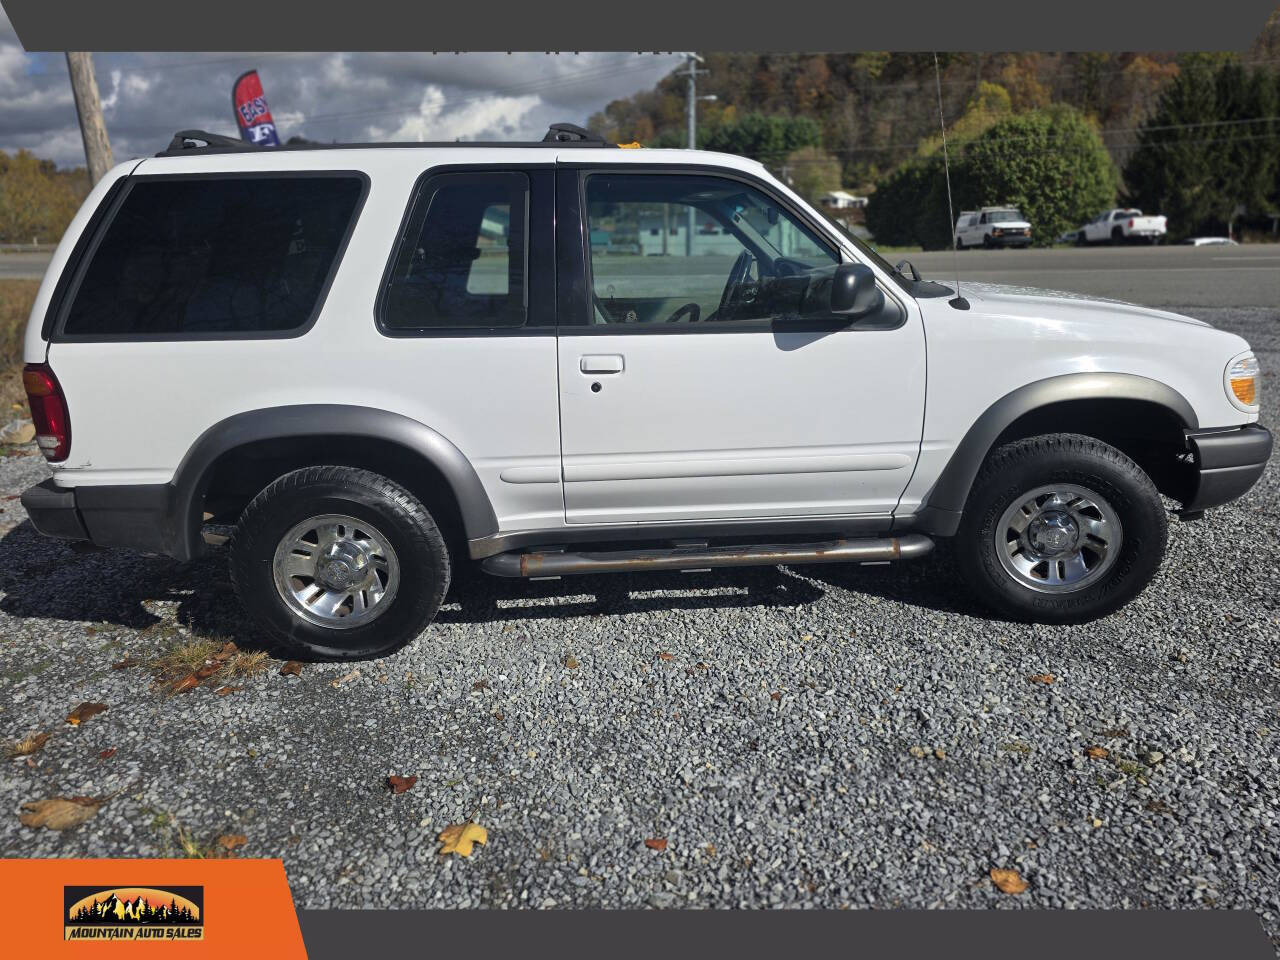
(1122, 225)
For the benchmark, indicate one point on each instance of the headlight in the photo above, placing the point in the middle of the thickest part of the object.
(1242, 382)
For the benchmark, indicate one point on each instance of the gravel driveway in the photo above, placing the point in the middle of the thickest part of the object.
(808, 736)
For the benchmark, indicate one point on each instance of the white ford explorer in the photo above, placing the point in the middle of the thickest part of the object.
(368, 366)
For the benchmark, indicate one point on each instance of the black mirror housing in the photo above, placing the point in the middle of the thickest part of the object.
(854, 292)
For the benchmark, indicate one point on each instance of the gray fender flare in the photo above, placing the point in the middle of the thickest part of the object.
(311, 420)
(942, 507)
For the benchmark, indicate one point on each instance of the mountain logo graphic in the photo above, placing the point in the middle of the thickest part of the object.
(132, 912)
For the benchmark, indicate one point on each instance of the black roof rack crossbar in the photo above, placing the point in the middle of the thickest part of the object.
(185, 142)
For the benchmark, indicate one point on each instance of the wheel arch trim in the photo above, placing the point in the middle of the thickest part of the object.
(940, 512)
(317, 420)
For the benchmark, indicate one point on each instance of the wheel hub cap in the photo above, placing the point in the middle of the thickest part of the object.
(336, 571)
(1059, 538)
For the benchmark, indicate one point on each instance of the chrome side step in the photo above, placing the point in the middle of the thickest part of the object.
(701, 557)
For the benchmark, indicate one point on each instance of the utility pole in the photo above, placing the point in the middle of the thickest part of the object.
(691, 109)
(97, 148)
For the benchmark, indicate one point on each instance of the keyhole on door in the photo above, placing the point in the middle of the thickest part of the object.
(595, 387)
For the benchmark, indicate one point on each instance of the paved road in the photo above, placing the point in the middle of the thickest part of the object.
(23, 266)
(1242, 276)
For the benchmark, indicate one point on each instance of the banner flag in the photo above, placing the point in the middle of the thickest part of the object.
(252, 115)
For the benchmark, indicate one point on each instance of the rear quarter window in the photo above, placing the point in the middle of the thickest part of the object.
(214, 257)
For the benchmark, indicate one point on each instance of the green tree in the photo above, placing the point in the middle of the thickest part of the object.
(1051, 164)
(769, 139)
(36, 201)
(813, 172)
(1209, 151)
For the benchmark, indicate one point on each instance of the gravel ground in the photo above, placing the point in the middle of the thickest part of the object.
(807, 736)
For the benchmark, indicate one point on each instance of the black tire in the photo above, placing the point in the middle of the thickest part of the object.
(987, 242)
(1117, 236)
(1081, 240)
(959, 244)
(419, 551)
(1015, 469)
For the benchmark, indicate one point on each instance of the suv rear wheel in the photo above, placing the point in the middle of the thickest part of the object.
(339, 563)
(1060, 529)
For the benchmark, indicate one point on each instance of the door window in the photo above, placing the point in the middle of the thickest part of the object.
(462, 262)
(687, 249)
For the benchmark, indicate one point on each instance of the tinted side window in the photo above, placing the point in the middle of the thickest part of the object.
(677, 248)
(215, 257)
(462, 260)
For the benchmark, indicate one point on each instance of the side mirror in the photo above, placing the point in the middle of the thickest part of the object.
(854, 292)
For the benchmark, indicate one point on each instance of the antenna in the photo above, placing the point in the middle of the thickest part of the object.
(958, 301)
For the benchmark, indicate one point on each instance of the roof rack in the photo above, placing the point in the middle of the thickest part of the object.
(185, 142)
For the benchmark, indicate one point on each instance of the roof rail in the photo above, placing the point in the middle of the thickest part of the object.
(558, 135)
(188, 140)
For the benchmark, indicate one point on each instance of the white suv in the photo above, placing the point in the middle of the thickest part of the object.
(369, 366)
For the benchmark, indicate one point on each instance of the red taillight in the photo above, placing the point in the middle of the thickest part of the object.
(48, 411)
(1130, 224)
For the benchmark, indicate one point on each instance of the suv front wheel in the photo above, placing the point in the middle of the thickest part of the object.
(1060, 529)
(339, 563)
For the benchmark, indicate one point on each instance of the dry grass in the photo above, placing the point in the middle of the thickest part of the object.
(206, 660)
(16, 298)
(28, 745)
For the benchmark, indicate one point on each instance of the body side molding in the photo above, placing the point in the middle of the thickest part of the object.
(940, 512)
(322, 419)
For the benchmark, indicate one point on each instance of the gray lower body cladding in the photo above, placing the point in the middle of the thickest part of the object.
(555, 564)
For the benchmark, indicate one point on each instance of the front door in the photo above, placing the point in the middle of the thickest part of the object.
(701, 384)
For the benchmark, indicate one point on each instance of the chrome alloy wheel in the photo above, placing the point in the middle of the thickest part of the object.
(1058, 538)
(336, 571)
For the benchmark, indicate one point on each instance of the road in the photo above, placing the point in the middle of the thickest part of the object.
(1241, 276)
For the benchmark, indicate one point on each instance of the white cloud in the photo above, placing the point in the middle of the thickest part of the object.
(321, 96)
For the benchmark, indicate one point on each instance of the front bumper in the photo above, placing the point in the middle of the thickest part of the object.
(1228, 462)
(1011, 240)
(138, 517)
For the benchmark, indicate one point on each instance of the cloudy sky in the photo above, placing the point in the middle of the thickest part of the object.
(146, 97)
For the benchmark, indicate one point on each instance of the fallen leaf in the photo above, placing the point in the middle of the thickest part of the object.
(571, 662)
(229, 841)
(189, 682)
(291, 669)
(499, 717)
(1115, 733)
(1098, 753)
(125, 664)
(776, 695)
(939, 753)
(663, 655)
(401, 784)
(107, 754)
(58, 813)
(229, 650)
(1045, 678)
(223, 691)
(28, 745)
(701, 666)
(1008, 881)
(480, 685)
(208, 670)
(917, 752)
(656, 843)
(346, 678)
(711, 849)
(459, 837)
(84, 712)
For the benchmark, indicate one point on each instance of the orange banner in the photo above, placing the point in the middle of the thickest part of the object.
(117, 908)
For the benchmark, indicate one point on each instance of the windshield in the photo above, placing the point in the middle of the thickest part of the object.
(867, 251)
(1003, 216)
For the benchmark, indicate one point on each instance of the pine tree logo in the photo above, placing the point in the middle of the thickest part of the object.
(133, 913)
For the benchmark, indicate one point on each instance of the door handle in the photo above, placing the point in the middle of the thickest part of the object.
(601, 363)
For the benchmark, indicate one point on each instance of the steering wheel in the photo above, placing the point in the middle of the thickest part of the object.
(737, 274)
(690, 308)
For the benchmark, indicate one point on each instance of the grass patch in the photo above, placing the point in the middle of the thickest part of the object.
(16, 299)
(189, 663)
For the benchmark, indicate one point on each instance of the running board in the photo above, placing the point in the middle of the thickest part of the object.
(701, 557)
